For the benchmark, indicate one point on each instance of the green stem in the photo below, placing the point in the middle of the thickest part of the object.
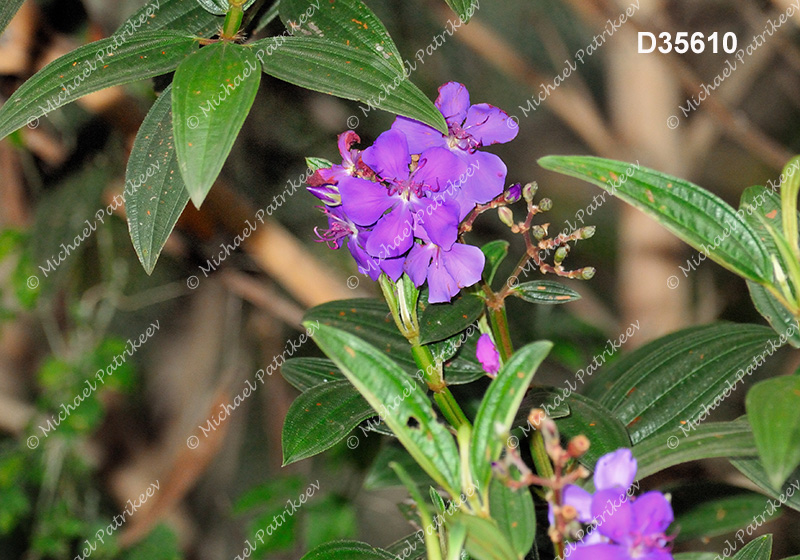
(432, 374)
(501, 332)
(233, 21)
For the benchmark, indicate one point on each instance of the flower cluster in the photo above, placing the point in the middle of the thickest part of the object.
(622, 526)
(399, 203)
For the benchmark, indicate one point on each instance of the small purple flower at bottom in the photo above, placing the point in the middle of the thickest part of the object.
(446, 271)
(624, 527)
(488, 355)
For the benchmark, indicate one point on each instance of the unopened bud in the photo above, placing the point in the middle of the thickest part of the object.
(568, 513)
(577, 446)
(529, 191)
(587, 232)
(506, 216)
(536, 416)
(587, 273)
(514, 193)
(561, 254)
(545, 205)
(538, 232)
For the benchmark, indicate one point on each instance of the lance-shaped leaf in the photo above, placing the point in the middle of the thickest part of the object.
(499, 407)
(399, 401)
(514, 513)
(439, 321)
(697, 216)
(762, 206)
(682, 377)
(328, 67)
(320, 418)
(347, 22)
(720, 515)
(708, 440)
(304, 373)
(757, 549)
(485, 540)
(93, 67)
(788, 494)
(464, 8)
(186, 17)
(220, 7)
(546, 292)
(155, 195)
(773, 408)
(211, 97)
(347, 550)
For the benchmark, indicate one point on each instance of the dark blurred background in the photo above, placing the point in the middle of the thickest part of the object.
(52, 178)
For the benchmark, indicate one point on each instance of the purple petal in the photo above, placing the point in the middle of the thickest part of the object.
(490, 125)
(615, 470)
(653, 513)
(485, 177)
(487, 354)
(345, 141)
(613, 512)
(453, 102)
(393, 267)
(417, 263)
(439, 219)
(388, 156)
(438, 167)
(464, 263)
(393, 234)
(366, 264)
(364, 201)
(420, 136)
(581, 500)
(599, 552)
(441, 286)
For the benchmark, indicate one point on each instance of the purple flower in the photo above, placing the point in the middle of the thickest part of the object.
(396, 211)
(340, 228)
(624, 527)
(469, 128)
(446, 271)
(488, 355)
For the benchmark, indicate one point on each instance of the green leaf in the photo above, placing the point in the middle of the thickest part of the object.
(320, 418)
(788, 494)
(381, 476)
(346, 22)
(757, 549)
(499, 407)
(212, 95)
(155, 195)
(546, 292)
(186, 17)
(370, 320)
(697, 216)
(328, 67)
(679, 378)
(695, 556)
(305, 373)
(721, 516)
(220, 7)
(485, 540)
(443, 320)
(8, 11)
(315, 163)
(710, 440)
(464, 8)
(514, 513)
(347, 550)
(763, 207)
(605, 432)
(550, 399)
(402, 404)
(773, 408)
(93, 67)
(495, 252)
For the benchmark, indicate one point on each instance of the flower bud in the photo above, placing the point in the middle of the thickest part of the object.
(529, 190)
(587, 232)
(587, 273)
(538, 232)
(577, 446)
(561, 254)
(536, 416)
(568, 513)
(514, 193)
(506, 216)
(545, 205)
